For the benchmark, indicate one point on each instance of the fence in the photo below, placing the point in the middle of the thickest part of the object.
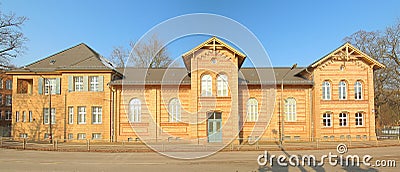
(184, 146)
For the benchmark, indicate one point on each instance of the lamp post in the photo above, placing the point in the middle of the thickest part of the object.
(281, 119)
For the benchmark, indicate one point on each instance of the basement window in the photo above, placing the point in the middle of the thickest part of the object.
(24, 86)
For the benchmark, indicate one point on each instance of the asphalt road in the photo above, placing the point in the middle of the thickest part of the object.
(25, 160)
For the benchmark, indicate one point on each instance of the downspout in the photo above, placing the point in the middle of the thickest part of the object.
(65, 115)
(156, 114)
(311, 115)
(111, 113)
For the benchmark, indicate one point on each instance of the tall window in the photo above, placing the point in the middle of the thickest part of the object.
(342, 119)
(222, 85)
(342, 90)
(1, 83)
(206, 85)
(23, 116)
(327, 120)
(8, 100)
(1, 99)
(78, 83)
(135, 110)
(8, 84)
(50, 84)
(359, 119)
(174, 110)
(81, 115)
(30, 116)
(326, 90)
(94, 83)
(252, 110)
(96, 115)
(358, 90)
(8, 115)
(290, 109)
(70, 115)
(46, 116)
(16, 116)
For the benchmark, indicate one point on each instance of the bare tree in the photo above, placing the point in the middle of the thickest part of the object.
(150, 53)
(12, 40)
(384, 46)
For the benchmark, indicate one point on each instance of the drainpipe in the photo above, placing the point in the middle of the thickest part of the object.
(112, 113)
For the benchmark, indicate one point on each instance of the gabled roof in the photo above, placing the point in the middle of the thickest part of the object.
(350, 50)
(212, 43)
(78, 57)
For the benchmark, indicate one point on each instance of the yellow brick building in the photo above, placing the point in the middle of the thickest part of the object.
(212, 99)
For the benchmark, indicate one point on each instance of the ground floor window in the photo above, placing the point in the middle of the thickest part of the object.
(359, 119)
(326, 120)
(81, 136)
(342, 119)
(96, 136)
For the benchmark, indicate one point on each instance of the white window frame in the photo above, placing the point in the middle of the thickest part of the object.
(222, 85)
(252, 110)
(30, 116)
(81, 114)
(326, 90)
(23, 116)
(8, 115)
(327, 120)
(342, 90)
(70, 136)
(135, 110)
(290, 110)
(1, 83)
(8, 100)
(96, 136)
(9, 84)
(206, 85)
(17, 116)
(343, 121)
(71, 115)
(97, 115)
(174, 109)
(50, 84)
(94, 83)
(46, 119)
(359, 119)
(358, 93)
(81, 136)
(78, 83)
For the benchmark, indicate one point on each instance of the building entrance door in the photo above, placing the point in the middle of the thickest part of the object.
(214, 127)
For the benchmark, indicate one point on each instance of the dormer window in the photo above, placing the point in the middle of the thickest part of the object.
(52, 62)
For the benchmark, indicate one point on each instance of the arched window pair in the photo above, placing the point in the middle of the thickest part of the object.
(326, 90)
(135, 110)
(206, 85)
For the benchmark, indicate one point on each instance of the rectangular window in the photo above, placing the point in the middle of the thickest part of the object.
(50, 86)
(326, 120)
(16, 116)
(81, 115)
(1, 99)
(30, 116)
(1, 83)
(8, 84)
(70, 115)
(23, 135)
(46, 119)
(46, 136)
(96, 115)
(23, 116)
(81, 136)
(96, 136)
(78, 83)
(1, 115)
(70, 136)
(8, 115)
(94, 83)
(359, 119)
(8, 100)
(342, 119)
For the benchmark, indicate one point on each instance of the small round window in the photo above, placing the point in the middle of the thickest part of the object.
(213, 60)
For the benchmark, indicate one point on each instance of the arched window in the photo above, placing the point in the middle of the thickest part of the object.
(135, 110)
(206, 85)
(252, 110)
(222, 85)
(290, 109)
(174, 109)
(326, 90)
(342, 90)
(358, 90)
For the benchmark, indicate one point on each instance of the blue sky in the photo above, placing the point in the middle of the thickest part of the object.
(290, 31)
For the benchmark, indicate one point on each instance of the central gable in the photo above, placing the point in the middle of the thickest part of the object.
(216, 45)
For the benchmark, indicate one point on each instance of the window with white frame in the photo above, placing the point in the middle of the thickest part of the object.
(23, 116)
(359, 119)
(81, 136)
(342, 119)
(96, 115)
(23, 135)
(78, 83)
(206, 85)
(17, 116)
(290, 109)
(8, 100)
(252, 110)
(96, 136)
(30, 116)
(8, 84)
(358, 90)
(46, 116)
(70, 115)
(174, 109)
(135, 110)
(8, 115)
(326, 90)
(94, 83)
(50, 85)
(70, 136)
(81, 115)
(327, 120)
(342, 90)
(222, 85)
